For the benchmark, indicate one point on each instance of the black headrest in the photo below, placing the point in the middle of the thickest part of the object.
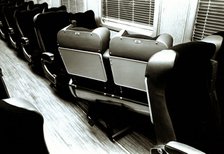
(43, 6)
(25, 24)
(47, 26)
(194, 52)
(86, 19)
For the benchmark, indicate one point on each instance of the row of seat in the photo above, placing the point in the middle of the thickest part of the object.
(183, 83)
(31, 29)
(21, 123)
(109, 69)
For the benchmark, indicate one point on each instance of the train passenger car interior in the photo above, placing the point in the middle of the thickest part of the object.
(118, 76)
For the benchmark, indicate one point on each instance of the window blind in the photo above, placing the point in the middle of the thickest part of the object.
(209, 18)
(129, 11)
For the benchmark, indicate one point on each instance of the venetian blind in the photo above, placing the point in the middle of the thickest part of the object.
(136, 12)
(209, 19)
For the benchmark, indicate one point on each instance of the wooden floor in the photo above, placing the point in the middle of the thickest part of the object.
(66, 128)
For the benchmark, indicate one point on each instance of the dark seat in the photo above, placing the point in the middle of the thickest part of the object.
(21, 128)
(12, 30)
(3, 25)
(181, 99)
(47, 26)
(28, 40)
(2, 21)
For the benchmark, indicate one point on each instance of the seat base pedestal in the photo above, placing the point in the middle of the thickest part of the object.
(113, 120)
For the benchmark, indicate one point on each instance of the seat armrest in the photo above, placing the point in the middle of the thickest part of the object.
(24, 40)
(1, 25)
(174, 147)
(11, 30)
(166, 39)
(47, 57)
(177, 147)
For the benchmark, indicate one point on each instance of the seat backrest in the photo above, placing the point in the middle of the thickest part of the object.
(3, 25)
(43, 6)
(129, 54)
(10, 10)
(178, 82)
(47, 26)
(25, 25)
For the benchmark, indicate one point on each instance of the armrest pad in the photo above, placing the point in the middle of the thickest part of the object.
(47, 57)
(166, 39)
(176, 147)
(11, 31)
(159, 64)
(24, 40)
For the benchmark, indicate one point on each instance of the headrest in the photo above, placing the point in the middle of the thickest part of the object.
(84, 19)
(47, 25)
(42, 6)
(138, 47)
(25, 24)
(194, 52)
(53, 19)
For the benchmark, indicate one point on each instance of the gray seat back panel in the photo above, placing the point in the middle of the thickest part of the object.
(84, 63)
(128, 73)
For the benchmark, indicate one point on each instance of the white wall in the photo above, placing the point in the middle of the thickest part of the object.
(177, 19)
(95, 6)
(55, 3)
(51, 3)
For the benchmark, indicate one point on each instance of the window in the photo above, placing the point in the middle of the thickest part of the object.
(135, 13)
(74, 5)
(209, 19)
